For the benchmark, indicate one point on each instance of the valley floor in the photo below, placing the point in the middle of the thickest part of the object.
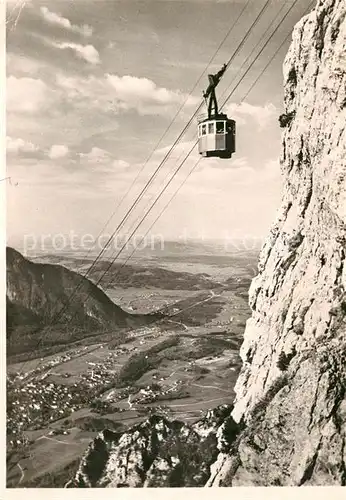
(179, 368)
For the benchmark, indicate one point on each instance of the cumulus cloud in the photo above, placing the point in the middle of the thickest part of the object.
(25, 95)
(27, 149)
(99, 160)
(261, 114)
(18, 145)
(95, 155)
(128, 87)
(58, 151)
(104, 159)
(86, 52)
(58, 20)
(122, 93)
(141, 93)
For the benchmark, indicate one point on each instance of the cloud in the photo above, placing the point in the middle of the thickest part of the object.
(129, 87)
(58, 151)
(86, 52)
(120, 164)
(57, 19)
(117, 94)
(261, 114)
(26, 149)
(96, 155)
(105, 162)
(143, 94)
(26, 95)
(15, 146)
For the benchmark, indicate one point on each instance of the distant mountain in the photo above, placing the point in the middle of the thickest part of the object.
(36, 293)
(158, 248)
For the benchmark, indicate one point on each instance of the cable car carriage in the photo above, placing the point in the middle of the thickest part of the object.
(216, 133)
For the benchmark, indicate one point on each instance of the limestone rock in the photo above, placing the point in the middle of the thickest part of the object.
(157, 452)
(290, 395)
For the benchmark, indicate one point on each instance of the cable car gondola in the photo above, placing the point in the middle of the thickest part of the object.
(216, 133)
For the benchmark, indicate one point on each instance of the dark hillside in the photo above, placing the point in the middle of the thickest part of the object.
(37, 292)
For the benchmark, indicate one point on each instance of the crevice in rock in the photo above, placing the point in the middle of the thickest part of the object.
(307, 198)
(311, 466)
(258, 410)
(335, 29)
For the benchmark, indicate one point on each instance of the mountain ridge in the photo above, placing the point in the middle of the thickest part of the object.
(37, 293)
(157, 452)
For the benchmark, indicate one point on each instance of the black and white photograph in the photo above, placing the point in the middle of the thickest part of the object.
(174, 208)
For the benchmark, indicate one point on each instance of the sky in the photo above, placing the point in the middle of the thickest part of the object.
(92, 86)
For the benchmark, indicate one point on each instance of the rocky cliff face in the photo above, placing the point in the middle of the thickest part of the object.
(290, 395)
(157, 453)
(36, 292)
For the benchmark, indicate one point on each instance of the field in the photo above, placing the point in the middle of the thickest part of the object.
(180, 366)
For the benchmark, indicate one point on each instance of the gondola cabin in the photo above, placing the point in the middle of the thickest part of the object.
(216, 137)
(216, 133)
